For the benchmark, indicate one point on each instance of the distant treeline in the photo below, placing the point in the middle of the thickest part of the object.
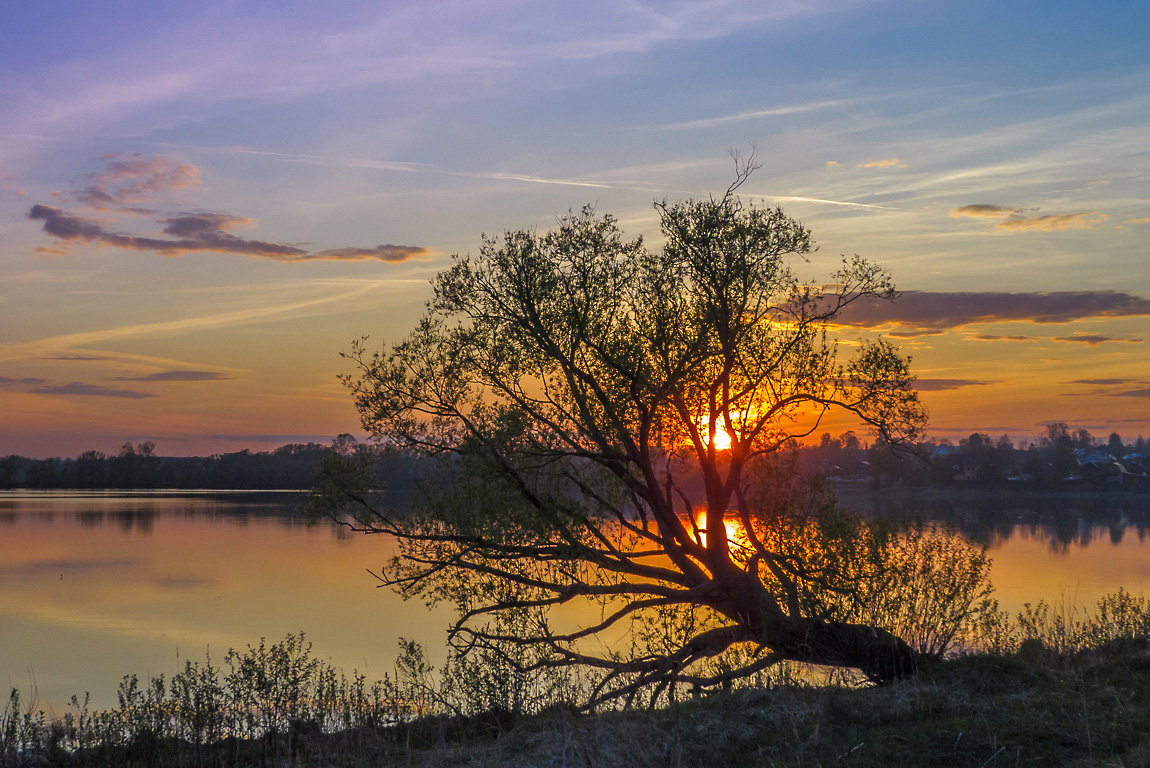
(289, 467)
(1061, 457)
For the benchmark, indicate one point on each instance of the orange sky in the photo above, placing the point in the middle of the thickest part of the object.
(202, 204)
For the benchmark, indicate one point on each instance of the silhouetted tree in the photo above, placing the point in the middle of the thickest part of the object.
(1060, 446)
(575, 380)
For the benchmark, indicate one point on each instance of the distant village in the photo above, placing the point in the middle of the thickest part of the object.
(1062, 458)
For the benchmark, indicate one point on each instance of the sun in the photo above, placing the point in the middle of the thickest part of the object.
(733, 527)
(722, 441)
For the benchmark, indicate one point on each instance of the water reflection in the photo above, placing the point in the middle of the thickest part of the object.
(1068, 549)
(94, 587)
(1064, 520)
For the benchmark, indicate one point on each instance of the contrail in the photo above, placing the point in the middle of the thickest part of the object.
(68, 341)
(830, 202)
(709, 122)
(389, 165)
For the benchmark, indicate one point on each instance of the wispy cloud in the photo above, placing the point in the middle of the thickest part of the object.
(177, 376)
(994, 337)
(1133, 393)
(130, 178)
(401, 166)
(1053, 223)
(138, 178)
(1102, 382)
(754, 114)
(76, 388)
(890, 162)
(917, 333)
(207, 232)
(497, 176)
(135, 178)
(346, 162)
(58, 345)
(829, 202)
(936, 385)
(1016, 220)
(983, 211)
(1092, 339)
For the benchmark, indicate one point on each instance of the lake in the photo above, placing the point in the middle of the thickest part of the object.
(95, 585)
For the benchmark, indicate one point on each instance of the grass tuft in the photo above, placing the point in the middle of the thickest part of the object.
(1061, 690)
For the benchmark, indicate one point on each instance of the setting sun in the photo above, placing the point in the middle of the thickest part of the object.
(733, 528)
(722, 438)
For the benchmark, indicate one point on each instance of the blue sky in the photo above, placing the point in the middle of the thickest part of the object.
(203, 203)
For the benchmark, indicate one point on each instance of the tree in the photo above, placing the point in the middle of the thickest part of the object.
(601, 410)
(1060, 444)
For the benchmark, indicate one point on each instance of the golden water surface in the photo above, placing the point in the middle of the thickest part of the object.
(96, 585)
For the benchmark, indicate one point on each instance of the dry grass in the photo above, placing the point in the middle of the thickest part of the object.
(1061, 690)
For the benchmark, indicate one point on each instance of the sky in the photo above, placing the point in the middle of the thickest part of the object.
(203, 203)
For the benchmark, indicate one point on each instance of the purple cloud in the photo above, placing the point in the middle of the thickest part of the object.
(177, 376)
(1133, 393)
(1101, 382)
(133, 178)
(991, 337)
(90, 390)
(206, 232)
(926, 310)
(983, 211)
(25, 382)
(75, 356)
(1013, 219)
(1092, 339)
(936, 385)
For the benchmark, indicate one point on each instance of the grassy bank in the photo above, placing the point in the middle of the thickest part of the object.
(1058, 690)
(1033, 707)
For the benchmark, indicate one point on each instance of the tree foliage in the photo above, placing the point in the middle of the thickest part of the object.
(599, 409)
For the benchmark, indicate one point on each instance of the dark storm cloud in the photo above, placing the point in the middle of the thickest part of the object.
(205, 232)
(89, 390)
(177, 376)
(926, 310)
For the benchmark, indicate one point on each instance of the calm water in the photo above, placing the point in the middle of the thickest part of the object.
(97, 585)
(94, 586)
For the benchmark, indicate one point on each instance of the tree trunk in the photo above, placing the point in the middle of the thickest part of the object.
(880, 655)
